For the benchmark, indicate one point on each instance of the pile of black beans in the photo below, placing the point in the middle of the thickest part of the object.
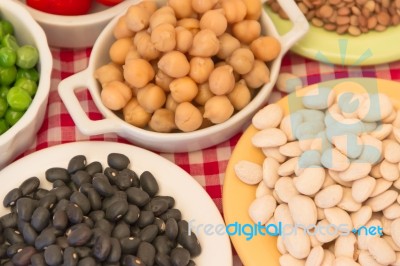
(94, 216)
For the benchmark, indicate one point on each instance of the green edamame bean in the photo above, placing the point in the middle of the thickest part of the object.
(8, 57)
(3, 126)
(9, 40)
(28, 85)
(7, 75)
(18, 99)
(3, 107)
(27, 56)
(31, 74)
(4, 91)
(7, 27)
(13, 116)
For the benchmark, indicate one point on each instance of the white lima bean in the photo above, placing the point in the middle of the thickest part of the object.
(331, 163)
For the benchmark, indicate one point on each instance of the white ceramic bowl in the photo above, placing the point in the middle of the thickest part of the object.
(76, 31)
(171, 142)
(21, 136)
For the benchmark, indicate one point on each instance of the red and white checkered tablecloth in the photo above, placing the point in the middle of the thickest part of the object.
(206, 166)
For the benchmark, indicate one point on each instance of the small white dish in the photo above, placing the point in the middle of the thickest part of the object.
(191, 199)
(76, 31)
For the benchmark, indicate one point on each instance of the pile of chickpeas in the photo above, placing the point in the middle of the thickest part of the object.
(186, 65)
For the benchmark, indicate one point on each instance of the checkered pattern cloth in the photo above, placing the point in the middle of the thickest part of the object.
(206, 166)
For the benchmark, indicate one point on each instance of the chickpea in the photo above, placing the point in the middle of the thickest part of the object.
(174, 64)
(163, 15)
(132, 54)
(137, 18)
(109, 72)
(201, 6)
(138, 72)
(246, 31)
(119, 49)
(235, 10)
(205, 44)
(151, 97)
(135, 115)
(163, 37)
(115, 95)
(222, 80)
(191, 24)
(170, 103)
(204, 94)
(145, 47)
(240, 96)
(258, 76)
(149, 5)
(184, 39)
(265, 48)
(218, 109)
(163, 120)
(227, 44)
(241, 60)
(201, 68)
(163, 80)
(214, 20)
(183, 89)
(253, 8)
(187, 117)
(121, 29)
(182, 8)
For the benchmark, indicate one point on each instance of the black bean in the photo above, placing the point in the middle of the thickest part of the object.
(48, 201)
(70, 257)
(87, 261)
(149, 233)
(83, 252)
(157, 205)
(57, 173)
(149, 183)
(25, 208)
(3, 251)
(79, 234)
(81, 200)
(76, 163)
(131, 260)
(40, 193)
(180, 256)
(58, 183)
(97, 215)
(23, 257)
(29, 234)
(132, 214)
(60, 220)
(62, 242)
(111, 174)
(102, 186)
(160, 225)
(145, 218)
(46, 238)
(172, 213)
(188, 239)
(129, 245)
(163, 260)
(121, 230)
(12, 196)
(94, 199)
(13, 249)
(163, 244)
(171, 229)
(9, 220)
(102, 247)
(13, 236)
(124, 179)
(29, 186)
(94, 168)
(117, 210)
(146, 252)
(104, 225)
(169, 199)
(137, 196)
(118, 161)
(40, 218)
(81, 177)
(62, 192)
(53, 255)
(115, 252)
(38, 259)
(74, 213)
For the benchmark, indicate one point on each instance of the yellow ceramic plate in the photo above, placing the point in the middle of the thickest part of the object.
(367, 49)
(237, 196)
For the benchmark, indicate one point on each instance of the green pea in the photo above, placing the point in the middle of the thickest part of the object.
(18, 99)
(13, 116)
(10, 41)
(29, 85)
(31, 74)
(3, 107)
(7, 75)
(3, 126)
(4, 91)
(27, 56)
(8, 57)
(7, 27)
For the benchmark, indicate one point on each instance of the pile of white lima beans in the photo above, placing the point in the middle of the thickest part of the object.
(333, 165)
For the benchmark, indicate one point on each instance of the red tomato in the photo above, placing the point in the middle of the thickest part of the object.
(109, 2)
(61, 7)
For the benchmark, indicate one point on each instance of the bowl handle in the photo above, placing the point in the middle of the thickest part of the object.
(299, 21)
(66, 90)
